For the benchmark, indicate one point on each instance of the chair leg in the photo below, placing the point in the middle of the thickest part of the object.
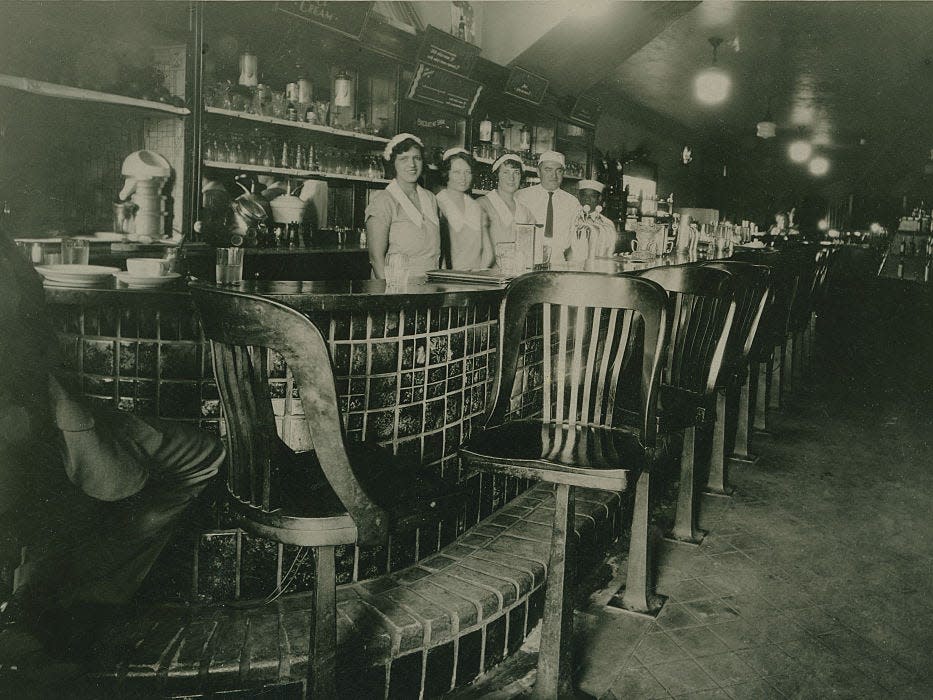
(742, 450)
(761, 397)
(776, 362)
(685, 529)
(638, 596)
(787, 368)
(322, 650)
(555, 664)
(716, 483)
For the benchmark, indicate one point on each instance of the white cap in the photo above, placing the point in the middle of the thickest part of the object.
(552, 156)
(396, 140)
(450, 152)
(592, 185)
(508, 156)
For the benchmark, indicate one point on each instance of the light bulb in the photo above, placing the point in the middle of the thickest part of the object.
(712, 86)
(819, 166)
(800, 151)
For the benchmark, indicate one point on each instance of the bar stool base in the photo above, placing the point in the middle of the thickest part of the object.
(693, 541)
(655, 604)
(725, 493)
(744, 459)
(763, 433)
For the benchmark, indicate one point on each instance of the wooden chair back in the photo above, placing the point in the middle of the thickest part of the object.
(594, 330)
(751, 299)
(702, 309)
(242, 328)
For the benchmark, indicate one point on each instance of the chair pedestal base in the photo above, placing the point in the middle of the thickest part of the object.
(655, 604)
(744, 458)
(719, 493)
(693, 539)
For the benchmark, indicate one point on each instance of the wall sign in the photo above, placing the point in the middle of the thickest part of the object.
(348, 18)
(446, 51)
(441, 88)
(526, 86)
(586, 110)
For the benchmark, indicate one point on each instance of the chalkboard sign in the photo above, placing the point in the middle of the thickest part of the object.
(348, 18)
(446, 51)
(526, 86)
(586, 110)
(441, 88)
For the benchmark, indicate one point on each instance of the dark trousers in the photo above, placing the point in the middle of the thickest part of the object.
(90, 551)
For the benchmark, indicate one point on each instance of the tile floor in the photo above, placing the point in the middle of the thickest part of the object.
(816, 578)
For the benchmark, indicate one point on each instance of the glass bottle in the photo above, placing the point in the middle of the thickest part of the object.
(284, 161)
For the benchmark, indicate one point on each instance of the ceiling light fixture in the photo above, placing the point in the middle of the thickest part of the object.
(819, 166)
(800, 151)
(712, 85)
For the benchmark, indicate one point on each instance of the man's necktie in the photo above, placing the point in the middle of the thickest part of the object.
(549, 219)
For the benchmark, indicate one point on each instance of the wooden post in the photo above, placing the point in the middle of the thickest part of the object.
(322, 649)
(685, 529)
(716, 483)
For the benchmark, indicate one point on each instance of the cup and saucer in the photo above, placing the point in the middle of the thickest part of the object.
(147, 273)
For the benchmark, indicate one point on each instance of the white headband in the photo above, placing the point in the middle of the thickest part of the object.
(395, 141)
(508, 156)
(450, 152)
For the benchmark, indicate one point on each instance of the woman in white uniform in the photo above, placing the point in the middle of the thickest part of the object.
(500, 206)
(403, 217)
(468, 246)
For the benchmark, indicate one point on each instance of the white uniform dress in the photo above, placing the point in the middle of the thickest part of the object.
(412, 232)
(465, 229)
(501, 217)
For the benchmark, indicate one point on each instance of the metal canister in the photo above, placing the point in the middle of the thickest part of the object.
(292, 92)
(304, 91)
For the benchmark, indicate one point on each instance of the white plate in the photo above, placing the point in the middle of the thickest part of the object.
(146, 282)
(77, 275)
(50, 241)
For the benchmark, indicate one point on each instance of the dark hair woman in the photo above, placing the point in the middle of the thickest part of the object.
(464, 242)
(403, 218)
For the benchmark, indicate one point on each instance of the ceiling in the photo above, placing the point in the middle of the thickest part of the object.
(855, 78)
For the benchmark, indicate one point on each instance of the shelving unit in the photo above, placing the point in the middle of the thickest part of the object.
(66, 92)
(292, 172)
(489, 161)
(319, 128)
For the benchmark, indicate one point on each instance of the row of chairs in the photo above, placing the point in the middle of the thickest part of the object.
(628, 362)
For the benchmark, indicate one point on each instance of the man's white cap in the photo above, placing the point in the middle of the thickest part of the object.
(396, 140)
(592, 185)
(508, 156)
(552, 156)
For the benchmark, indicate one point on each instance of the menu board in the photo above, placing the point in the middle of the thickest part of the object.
(526, 86)
(441, 88)
(348, 18)
(586, 110)
(446, 51)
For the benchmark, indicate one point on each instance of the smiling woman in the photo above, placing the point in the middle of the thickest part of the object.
(465, 240)
(403, 218)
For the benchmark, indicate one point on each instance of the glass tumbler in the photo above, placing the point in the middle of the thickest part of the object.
(75, 251)
(229, 267)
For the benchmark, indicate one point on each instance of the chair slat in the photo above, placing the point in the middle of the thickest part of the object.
(585, 411)
(576, 366)
(561, 372)
(602, 377)
(546, 359)
(619, 356)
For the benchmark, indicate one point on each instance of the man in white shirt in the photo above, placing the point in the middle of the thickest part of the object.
(552, 207)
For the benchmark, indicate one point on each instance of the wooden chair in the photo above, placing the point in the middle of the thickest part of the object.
(338, 493)
(751, 298)
(598, 334)
(702, 308)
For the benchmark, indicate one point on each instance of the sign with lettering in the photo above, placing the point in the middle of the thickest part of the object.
(348, 18)
(441, 88)
(442, 125)
(446, 51)
(586, 110)
(526, 86)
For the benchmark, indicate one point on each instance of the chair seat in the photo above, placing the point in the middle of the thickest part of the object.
(303, 499)
(579, 455)
(678, 409)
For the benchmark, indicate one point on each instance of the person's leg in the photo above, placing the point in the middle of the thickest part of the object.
(109, 567)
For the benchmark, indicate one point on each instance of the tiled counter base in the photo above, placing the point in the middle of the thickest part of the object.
(421, 631)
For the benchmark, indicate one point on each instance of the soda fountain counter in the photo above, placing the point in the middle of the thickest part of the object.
(414, 369)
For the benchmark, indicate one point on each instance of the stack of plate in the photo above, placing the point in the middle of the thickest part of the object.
(136, 282)
(468, 276)
(77, 275)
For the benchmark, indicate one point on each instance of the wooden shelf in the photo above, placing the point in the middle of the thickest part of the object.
(262, 119)
(65, 92)
(293, 172)
(490, 161)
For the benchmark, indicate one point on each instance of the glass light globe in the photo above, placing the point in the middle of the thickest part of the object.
(712, 86)
(800, 151)
(819, 166)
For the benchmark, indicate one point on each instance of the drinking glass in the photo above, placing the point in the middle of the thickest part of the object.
(507, 258)
(229, 267)
(396, 269)
(75, 251)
